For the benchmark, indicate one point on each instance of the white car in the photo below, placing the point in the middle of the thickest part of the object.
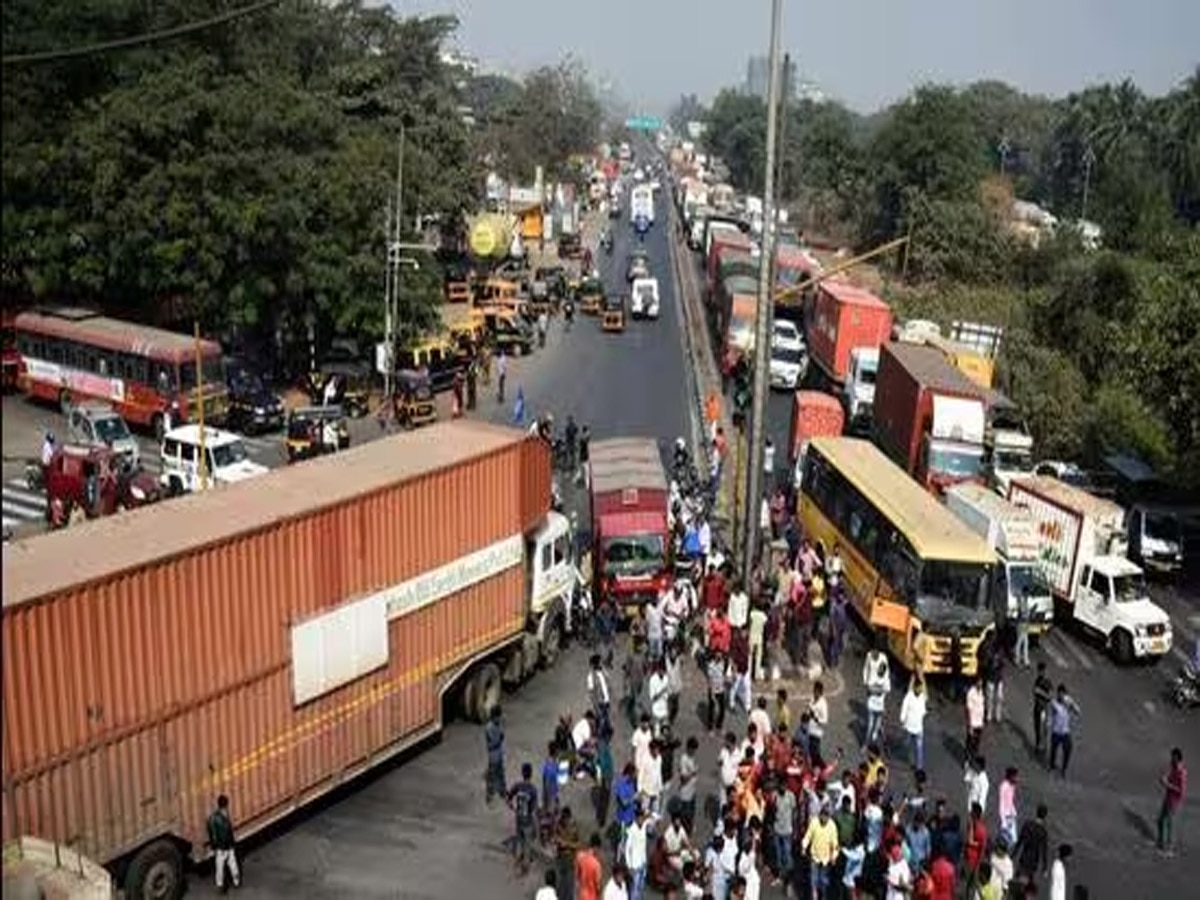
(788, 365)
(227, 461)
(643, 303)
(98, 425)
(787, 335)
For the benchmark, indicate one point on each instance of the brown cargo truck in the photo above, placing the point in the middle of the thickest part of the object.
(272, 641)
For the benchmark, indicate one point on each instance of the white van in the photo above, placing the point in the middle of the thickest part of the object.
(643, 303)
(224, 451)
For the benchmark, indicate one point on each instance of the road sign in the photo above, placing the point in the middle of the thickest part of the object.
(644, 123)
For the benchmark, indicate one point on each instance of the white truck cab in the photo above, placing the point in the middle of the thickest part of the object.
(551, 578)
(643, 302)
(859, 391)
(1082, 549)
(227, 461)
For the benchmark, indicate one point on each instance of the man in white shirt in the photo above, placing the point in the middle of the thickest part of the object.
(739, 607)
(1058, 873)
(758, 628)
(976, 778)
(653, 612)
(659, 689)
(818, 719)
(598, 692)
(705, 539)
(877, 678)
(642, 735)
(616, 887)
(637, 853)
(650, 780)
(759, 717)
(549, 890)
(675, 611)
(583, 737)
(912, 720)
(728, 760)
(899, 876)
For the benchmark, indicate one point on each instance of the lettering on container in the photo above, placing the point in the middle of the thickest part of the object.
(417, 593)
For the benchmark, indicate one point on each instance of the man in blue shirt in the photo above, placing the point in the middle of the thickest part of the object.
(550, 780)
(523, 800)
(625, 793)
(493, 737)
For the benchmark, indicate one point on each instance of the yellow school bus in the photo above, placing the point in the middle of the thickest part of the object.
(913, 573)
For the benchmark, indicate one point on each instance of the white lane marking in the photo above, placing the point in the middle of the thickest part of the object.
(24, 500)
(1048, 647)
(13, 523)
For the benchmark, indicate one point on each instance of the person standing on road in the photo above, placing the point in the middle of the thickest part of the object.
(659, 690)
(715, 669)
(1007, 803)
(1032, 853)
(523, 800)
(739, 607)
(1043, 693)
(617, 887)
(589, 871)
(877, 678)
(976, 716)
(598, 693)
(758, 629)
(912, 720)
(585, 443)
(493, 738)
(818, 720)
(221, 840)
(689, 771)
(1058, 873)
(1174, 785)
(501, 375)
(993, 680)
(567, 844)
(1062, 713)
(636, 853)
(654, 620)
(1024, 612)
(978, 783)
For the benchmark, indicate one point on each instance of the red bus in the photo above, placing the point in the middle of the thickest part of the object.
(148, 375)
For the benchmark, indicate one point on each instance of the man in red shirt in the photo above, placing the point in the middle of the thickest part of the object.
(1174, 785)
(942, 872)
(714, 590)
(588, 871)
(977, 841)
(720, 634)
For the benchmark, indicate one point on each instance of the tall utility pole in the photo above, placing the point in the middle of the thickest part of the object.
(762, 338)
(389, 331)
(781, 150)
(392, 294)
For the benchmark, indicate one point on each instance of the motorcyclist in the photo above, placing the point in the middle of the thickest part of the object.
(48, 447)
(681, 453)
(568, 313)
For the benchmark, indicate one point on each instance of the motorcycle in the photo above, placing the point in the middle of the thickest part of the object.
(1185, 692)
(568, 315)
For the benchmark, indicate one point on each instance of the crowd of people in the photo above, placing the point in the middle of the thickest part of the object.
(780, 806)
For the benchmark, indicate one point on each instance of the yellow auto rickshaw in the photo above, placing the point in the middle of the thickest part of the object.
(315, 431)
(591, 296)
(438, 356)
(412, 402)
(613, 317)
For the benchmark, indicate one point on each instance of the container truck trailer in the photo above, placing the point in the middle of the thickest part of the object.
(929, 417)
(271, 642)
(1082, 549)
(847, 327)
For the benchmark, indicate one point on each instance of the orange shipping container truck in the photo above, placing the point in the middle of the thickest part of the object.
(271, 641)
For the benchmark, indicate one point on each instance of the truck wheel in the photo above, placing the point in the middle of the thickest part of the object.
(487, 690)
(1122, 647)
(155, 873)
(552, 642)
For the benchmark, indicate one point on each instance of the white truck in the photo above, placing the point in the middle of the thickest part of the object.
(641, 204)
(643, 301)
(1082, 548)
(1013, 533)
(858, 393)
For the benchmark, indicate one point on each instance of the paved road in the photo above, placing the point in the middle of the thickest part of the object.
(1107, 807)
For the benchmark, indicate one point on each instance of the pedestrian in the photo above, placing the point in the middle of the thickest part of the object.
(715, 669)
(1062, 713)
(1174, 785)
(589, 870)
(739, 661)
(650, 780)
(1024, 613)
(457, 392)
(978, 784)
(602, 790)
(784, 831)
(1007, 803)
(674, 680)
(758, 628)
(992, 662)
(1058, 872)
(912, 720)
(653, 617)
(598, 692)
(221, 840)
(617, 886)
(567, 844)
(549, 888)
(636, 853)
(634, 671)
(493, 737)
(523, 800)
(975, 715)
(899, 877)
(518, 414)
(501, 376)
(1032, 853)
(550, 779)
(818, 719)
(739, 607)
(877, 679)
(606, 629)
(839, 620)
(472, 384)
(689, 771)
(977, 843)
(1043, 693)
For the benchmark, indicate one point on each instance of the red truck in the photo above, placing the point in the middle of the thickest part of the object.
(630, 535)
(845, 318)
(724, 242)
(929, 417)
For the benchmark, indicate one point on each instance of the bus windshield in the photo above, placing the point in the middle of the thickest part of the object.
(213, 372)
(953, 587)
(633, 555)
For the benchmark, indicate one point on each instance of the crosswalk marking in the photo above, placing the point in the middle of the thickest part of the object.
(21, 504)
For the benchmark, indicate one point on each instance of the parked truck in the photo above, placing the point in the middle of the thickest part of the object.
(1082, 549)
(1012, 532)
(814, 414)
(929, 418)
(272, 642)
(847, 327)
(630, 535)
(1007, 442)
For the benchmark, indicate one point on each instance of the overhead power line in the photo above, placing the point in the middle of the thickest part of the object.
(139, 39)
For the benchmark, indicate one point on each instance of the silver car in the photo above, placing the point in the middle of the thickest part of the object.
(96, 425)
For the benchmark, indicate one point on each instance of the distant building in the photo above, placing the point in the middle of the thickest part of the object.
(456, 60)
(758, 71)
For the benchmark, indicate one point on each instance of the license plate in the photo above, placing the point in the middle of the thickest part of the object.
(1158, 645)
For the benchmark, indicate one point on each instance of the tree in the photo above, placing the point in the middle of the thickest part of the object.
(688, 109)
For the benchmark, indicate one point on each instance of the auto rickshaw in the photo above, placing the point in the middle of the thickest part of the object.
(509, 332)
(613, 317)
(591, 296)
(315, 431)
(438, 356)
(467, 336)
(412, 402)
(353, 388)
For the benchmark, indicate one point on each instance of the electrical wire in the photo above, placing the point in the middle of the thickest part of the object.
(137, 40)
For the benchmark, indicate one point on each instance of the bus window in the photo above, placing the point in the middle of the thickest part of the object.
(959, 583)
(213, 373)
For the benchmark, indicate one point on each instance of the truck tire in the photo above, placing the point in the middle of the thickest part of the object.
(1122, 647)
(488, 689)
(552, 638)
(155, 873)
(466, 699)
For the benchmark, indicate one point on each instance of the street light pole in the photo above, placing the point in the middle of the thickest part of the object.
(762, 338)
(1089, 160)
(388, 323)
(392, 299)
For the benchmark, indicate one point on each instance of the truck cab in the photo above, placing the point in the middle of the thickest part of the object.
(1111, 600)
(551, 577)
(1155, 539)
(952, 449)
(859, 391)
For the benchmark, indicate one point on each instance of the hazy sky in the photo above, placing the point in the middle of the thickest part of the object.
(863, 52)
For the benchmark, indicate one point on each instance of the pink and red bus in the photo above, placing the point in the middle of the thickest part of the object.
(68, 355)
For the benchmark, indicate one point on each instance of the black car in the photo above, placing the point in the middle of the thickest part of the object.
(253, 406)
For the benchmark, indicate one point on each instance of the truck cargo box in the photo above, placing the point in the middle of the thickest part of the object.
(267, 641)
(845, 317)
(814, 414)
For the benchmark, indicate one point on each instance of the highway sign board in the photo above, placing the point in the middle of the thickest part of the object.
(644, 123)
